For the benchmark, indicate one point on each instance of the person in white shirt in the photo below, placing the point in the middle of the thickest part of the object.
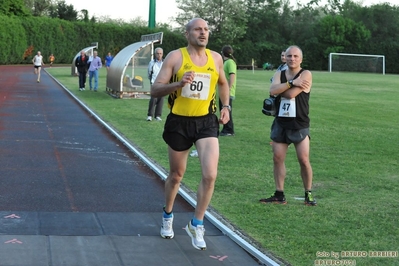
(155, 102)
(37, 64)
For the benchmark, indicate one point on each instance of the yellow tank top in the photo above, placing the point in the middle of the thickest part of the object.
(198, 98)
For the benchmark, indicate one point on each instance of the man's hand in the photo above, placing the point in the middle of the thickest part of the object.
(188, 77)
(224, 116)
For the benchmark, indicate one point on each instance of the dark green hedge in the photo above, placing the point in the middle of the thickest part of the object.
(22, 37)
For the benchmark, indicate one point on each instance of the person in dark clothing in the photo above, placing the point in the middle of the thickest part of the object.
(230, 70)
(291, 124)
(82, 65)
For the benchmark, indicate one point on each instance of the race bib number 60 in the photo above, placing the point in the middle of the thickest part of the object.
(199, 88)
(287, 108)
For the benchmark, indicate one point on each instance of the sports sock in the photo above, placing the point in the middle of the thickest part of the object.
(167, 214)
(279, 194)
(196, 222)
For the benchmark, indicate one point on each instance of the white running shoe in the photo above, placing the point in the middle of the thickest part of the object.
(197, 235)
(167, 228)
(194, 153)
(158, 118)
(149, 118)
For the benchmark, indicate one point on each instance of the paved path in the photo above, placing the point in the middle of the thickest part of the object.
(72, 194)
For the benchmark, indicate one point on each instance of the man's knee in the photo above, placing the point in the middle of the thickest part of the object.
(209, 180)
(175, 178)
(304, 161)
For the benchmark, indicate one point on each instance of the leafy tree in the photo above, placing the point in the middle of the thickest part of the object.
(297, 26)
(13, 8)
(84, 15)
(109, 20)
(382, 20)
(337, 34)
(63, 11)
(41, 7)
(226, 18)
(138, 22)
(257, 29)
(263, 39)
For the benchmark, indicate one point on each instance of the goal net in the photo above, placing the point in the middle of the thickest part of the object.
(340, 62)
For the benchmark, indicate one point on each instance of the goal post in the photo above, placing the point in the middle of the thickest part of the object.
(356, 63)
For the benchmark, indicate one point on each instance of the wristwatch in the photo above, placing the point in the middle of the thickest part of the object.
(227, 106)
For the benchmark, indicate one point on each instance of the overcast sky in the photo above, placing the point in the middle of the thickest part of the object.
(130, 9)
(127, 10)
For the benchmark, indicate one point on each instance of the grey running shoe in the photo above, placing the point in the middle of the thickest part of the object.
(167, 228)
(197, 235)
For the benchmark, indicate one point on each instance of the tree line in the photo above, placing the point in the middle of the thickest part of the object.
(256, 29)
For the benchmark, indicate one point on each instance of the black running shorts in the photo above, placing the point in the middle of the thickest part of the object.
(288, 136)
(181, 132)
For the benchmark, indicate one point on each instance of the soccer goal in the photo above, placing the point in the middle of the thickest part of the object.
(356, 63)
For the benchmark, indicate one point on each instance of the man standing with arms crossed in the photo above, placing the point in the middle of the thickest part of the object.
(190, 75)
(291, 125)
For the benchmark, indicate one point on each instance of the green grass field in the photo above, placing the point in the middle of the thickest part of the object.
(354, 155)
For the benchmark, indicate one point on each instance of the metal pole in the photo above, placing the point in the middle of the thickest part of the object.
(151, 16)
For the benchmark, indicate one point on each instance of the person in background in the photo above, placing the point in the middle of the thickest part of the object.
(37, 64)
(155, 102)
(95, 65)
(108, 60)
(291, 124)
(230, 70)
(191, 75)
(51, 58)
(283, 65)
(82, 65)
(90, 55)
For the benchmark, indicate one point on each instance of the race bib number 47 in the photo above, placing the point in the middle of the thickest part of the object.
(287, 108)
(199, 88)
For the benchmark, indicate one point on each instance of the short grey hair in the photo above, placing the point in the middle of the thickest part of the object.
(295, 46)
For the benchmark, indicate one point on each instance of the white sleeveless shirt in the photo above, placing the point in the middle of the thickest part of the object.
(37, 60)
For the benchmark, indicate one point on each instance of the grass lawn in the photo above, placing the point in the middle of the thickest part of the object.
(354, 155)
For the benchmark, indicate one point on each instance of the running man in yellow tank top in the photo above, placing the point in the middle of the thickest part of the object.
(190, 76)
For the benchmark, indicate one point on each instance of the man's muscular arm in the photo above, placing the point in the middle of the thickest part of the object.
(277, 87)
(301, 84)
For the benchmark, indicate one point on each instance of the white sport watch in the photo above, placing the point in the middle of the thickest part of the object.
(227, 106)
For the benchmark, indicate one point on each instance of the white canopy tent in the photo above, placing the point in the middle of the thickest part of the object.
(127, 75)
